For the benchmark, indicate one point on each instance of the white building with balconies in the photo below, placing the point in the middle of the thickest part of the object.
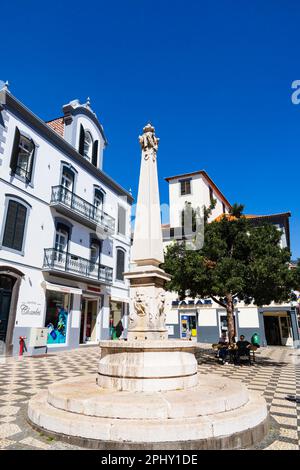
(65, 230)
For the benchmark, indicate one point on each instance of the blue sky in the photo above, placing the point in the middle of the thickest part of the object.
(214, 78)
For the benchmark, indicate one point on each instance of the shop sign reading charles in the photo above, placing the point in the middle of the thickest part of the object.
(30, 308)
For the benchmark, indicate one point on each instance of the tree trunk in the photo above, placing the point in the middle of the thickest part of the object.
(230, 318)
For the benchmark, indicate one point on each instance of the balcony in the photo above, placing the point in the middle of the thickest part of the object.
(74, 267)
(70, 205)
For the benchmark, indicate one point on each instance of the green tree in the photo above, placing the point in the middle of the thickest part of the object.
(237, 261)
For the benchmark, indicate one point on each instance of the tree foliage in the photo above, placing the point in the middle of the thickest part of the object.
(237, 260)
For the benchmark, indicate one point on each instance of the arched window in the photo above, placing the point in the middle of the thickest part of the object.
(16, 216)
(88, 145)
(120, 268)
(88, 148)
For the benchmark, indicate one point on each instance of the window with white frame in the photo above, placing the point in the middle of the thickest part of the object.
(120, 267)
(61, 238)
(98, 200)
(14, 226)
(22, 156)
(88, 145)
(185, 187)
(67, 178)
(121, 220)
(95, 250)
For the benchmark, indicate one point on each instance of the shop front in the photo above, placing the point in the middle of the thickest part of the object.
(10, 280)
(88, 325)
(188, 326)
(6, 289)
(57, 317)
(59, 308)
(278, 328)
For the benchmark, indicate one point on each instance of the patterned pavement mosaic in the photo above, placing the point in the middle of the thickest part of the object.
(275, 374)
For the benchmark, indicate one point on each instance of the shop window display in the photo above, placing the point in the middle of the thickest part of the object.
(57, 317)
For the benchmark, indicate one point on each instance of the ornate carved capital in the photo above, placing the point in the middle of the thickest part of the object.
(149, 142)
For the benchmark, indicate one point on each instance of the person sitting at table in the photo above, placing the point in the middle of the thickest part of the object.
(223, 338)
(223, 348)
(243, 349)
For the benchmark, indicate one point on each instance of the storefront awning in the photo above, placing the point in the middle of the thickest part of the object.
(119, 299)
(58, 288)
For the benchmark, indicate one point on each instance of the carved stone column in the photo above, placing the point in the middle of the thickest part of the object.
(147, 280)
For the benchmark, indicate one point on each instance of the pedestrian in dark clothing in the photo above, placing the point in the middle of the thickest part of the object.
(243, 349)
(119, 329)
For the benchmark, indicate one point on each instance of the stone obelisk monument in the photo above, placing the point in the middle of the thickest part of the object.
(147, 393)
(147, 361)
(147, 280)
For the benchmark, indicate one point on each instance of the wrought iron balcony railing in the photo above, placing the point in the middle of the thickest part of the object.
(61, 195)
(63, 261)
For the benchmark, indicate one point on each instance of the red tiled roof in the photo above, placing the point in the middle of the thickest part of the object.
(57, 125)
(251, 216)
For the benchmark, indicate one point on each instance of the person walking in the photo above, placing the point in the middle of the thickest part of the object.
(188, 334)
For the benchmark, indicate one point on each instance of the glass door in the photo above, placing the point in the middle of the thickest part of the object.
(286, 331)
(61, 243)
(6, 287)
(67, 183)
(98, 204)
(188, 326)
(88, 321)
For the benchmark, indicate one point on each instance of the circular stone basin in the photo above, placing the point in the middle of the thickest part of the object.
(147, 365)
(212, 395)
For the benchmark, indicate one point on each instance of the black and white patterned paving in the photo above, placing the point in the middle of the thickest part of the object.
(275, 374)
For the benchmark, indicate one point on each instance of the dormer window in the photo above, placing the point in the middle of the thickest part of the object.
(88, 145)
(88, 148)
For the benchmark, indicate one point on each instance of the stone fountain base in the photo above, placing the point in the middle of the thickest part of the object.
(149, 396)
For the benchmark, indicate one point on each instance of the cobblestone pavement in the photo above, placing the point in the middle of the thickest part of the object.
(275, 374)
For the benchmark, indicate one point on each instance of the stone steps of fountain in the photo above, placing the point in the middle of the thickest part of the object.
(83, 396)
(241, 421)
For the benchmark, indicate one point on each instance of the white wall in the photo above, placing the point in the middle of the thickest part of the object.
(207, 317)
(40, 230)
(46, 173)
(198, 198)
(248, 317)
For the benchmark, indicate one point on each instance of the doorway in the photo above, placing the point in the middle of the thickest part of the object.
(278, 330)
(6, 288)
(88, 324)
(286, 330)
(223, 324)
(188, 322)
(272, 331)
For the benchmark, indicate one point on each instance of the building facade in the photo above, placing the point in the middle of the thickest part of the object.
(276, 324)
(65, 231)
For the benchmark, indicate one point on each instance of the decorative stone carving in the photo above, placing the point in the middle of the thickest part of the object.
(161, 306)
(139, 308)
(149, 142)
(139, 304)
